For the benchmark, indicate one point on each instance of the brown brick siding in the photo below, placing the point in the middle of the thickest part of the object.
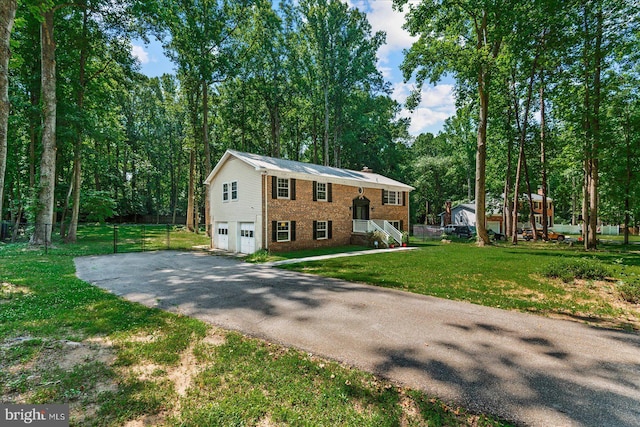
(304, 211)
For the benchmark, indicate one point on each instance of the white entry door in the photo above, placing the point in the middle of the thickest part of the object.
(223, 235)
(247, 237)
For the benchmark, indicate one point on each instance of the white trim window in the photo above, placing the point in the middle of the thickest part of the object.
(321, 191)
(234, 191)
(283, 188)
(230, 191)
(321, 230)
(284, 231)
(225, 192)
(391, 197)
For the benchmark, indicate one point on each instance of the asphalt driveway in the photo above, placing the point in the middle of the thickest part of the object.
(530, 369)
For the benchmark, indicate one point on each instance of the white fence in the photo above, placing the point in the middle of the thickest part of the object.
(610, 230)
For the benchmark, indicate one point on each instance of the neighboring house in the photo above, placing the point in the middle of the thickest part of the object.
(260, 202)
(537, 209)
(465, 213)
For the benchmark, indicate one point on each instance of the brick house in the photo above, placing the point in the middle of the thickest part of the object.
(259, 202)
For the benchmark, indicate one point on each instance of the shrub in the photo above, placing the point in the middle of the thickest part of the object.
(630, 292)
(377, 236)
(257, 257)
(576, 268)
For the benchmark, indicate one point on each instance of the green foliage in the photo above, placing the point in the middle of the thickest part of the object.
(98, 206)
(500, 276)
(240, 381)
(630, 291)
(258, 257)
(576, 268)
(377, 239)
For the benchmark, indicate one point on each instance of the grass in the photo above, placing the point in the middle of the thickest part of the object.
(63, 340)
(503, 276)
(265, 256)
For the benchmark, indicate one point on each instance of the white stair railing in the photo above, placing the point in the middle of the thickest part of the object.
(382, 226)
(393, 232)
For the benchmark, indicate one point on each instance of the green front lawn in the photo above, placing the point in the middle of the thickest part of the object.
(63, 340)
(502, 275)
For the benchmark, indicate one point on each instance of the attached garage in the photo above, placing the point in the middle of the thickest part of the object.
(222, 236)
(247, 237)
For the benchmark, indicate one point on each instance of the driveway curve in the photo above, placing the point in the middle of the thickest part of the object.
(526, 368)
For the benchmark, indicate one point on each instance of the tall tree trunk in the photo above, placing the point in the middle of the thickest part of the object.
(46, 191)
(481, 157)
(532, 217)
(77, 149)
(628, 177)
(7, 17)
(595, 148)
(191, 195)
(543, 161)
(506, 207)
(516, 195)
(207, 152)
(325, 158)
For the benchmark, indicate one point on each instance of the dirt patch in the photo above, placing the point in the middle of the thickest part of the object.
(600, 295)
(8, 291)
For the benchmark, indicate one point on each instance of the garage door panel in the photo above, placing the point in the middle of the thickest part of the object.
(222, 233)
(247, 238)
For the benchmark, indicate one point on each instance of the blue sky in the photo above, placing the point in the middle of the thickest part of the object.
(438, 102)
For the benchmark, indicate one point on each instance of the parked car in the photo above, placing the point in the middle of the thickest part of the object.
(461, 231)
(496, 236)
(527, 234)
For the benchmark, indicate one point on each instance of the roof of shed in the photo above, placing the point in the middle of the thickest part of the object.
(293, 169)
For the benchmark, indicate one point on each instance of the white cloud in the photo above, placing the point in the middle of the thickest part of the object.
(437, 104)
(382, 17)
(140, 54)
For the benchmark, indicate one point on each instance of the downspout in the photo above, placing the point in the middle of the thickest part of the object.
(409, 213)
(265, 233)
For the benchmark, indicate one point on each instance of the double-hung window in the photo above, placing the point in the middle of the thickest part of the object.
(390, 197)
(321, 230)
(225, 192)
(321, 191)
(234, 190)
(230, 191)
(283, 231)
(283, 188)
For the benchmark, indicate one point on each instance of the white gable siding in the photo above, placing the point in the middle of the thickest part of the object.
(248, 207)
(463, 217)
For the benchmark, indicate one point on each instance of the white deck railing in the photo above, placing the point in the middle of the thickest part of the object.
(384, 227)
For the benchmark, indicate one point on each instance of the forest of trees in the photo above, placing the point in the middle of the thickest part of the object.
(547, 97)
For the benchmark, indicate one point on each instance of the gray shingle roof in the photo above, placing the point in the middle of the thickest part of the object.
(293, 169)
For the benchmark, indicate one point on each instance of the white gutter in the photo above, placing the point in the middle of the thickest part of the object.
(266, 207)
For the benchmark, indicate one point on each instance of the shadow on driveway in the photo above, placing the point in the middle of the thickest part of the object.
(530, 369)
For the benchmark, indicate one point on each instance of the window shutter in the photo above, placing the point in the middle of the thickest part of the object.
(330, 229)
(315, 230)
(404, 198)
(274, 187)
(383, 197)
(401, 225)
(329, 192)
(292, 189)
(274, 231)
(315, 193)
(293, 230)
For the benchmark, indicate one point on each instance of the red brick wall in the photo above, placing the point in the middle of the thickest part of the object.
(303, 210)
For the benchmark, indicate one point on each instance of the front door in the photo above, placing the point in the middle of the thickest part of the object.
(361, 208)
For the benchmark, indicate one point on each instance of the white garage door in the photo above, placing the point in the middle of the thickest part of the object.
(223, 236)
(247, 239)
